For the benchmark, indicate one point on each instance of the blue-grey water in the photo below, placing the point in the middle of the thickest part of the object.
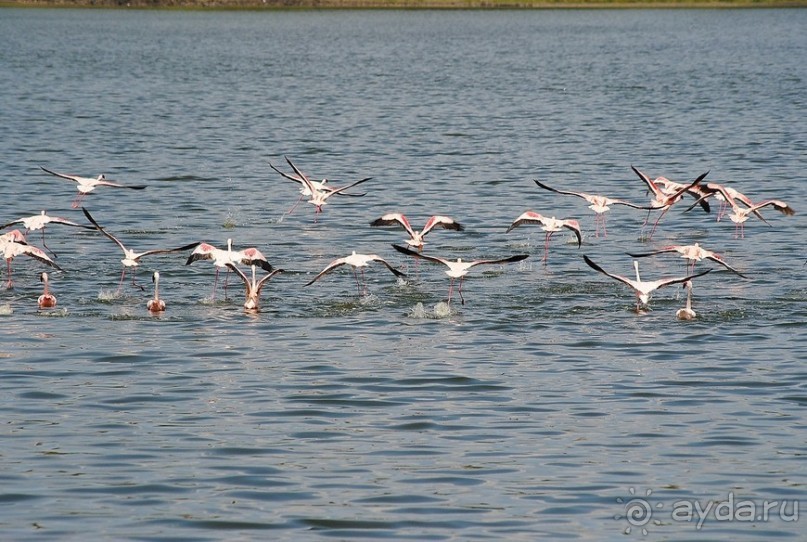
(544, 407)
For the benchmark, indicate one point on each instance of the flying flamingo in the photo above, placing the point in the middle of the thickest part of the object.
(693, 253)
(599, 204)
(46, 300)
(38, 222)
(305, 192)
(253, 287)
(222, 257)
(549, 225)
(726, 195)
(130, 257)
(12, 244)
(687, 313)
(156, 304)
(319, 196)
(458, 269)
(86, 185)
(416, 237)
(642, 288)
(739, 215)
(357, 261)
(663, 200)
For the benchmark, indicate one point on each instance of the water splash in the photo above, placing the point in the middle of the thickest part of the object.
(6, 310)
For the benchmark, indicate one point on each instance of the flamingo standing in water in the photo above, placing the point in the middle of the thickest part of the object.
(222, 257)
(599, 204)
(47, 300)
(85, 185)
(416, 237)
(458, 269)
(357, 261)
(305, 192)
(642, 288)
(663, 200)
(253, 287)
(130, 257)
(687, 313)
(319, 196)
(156, 304)
(38, 222)
(550, 225)
(693, 254)
(12, 244)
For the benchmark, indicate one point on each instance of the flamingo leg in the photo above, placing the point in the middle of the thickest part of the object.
(459, 290)
(450, 289)
(657, 221)
(134, 283)
(78, 200)
(358, 286)
(122, 274)
(546, 246)
(9, 282)
(293, 207)
(46, 246)
(604, 225)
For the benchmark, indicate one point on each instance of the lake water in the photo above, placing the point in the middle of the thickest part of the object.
(544, 407)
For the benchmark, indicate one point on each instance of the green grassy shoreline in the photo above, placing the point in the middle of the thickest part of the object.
(399, 4)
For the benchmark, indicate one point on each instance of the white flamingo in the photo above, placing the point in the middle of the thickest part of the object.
(47, 300)
(693, 254)
(643, 288)
(599, 204)
(550, 225)
(38, 222)
(85, 185)
(12, 244)
(130, 257)
(663, 200)
(356, 261)
(459, 268)
(156, 304)
(416, 237)
(687, 313)
(222, 257)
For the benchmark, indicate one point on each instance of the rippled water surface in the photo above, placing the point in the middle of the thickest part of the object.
(544, 407)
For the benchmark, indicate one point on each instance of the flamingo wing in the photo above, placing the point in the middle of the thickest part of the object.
(509, 259)
(434, 259)
(565, 192)
(391, 219)
(528, 217)
(102, 230)
(575, 227)
(265, 279)
(620, 278)
(379, 259)
(330, 267)
(439, 221)
(717, 258)
(74, 178)
(38, 254)
(169, 250)
(661, 283)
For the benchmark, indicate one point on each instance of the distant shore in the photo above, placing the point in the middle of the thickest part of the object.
(399, 4)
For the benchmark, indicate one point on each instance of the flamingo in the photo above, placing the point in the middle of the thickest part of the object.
(663, 200)
(130, 257)
(642, 288)
(739, 215)
(458, 269)
(221, 257)
(416, 237)
(156, 304)
(726, 195)
(38, 222)
(687, 313)
(599, 204)
(357, 261)
(693, 253)
(46, 300)
(254, 287)
(304, 190)
(12, 244)
(549, 225)
(319, 197)
(86, 185)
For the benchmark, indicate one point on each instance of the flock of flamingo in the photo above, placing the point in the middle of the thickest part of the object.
(664, 194)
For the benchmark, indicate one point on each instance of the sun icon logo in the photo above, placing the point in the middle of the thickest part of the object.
(638, 511)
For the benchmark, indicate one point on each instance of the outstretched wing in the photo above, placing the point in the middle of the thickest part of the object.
(528, 217)
(379, 259)
(102, 230)
(434, 259)
(169, 250)
(620, 278)
(516, 258)
(394, 219)
(575, 227)
(676, 280)
(330, 267)
(546, 187)
(439, 221)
